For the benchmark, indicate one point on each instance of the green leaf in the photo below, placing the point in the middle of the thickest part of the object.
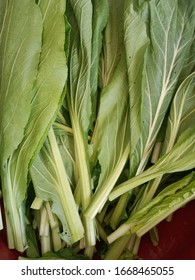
(181, 116)
(51, 183)
(20, 46)
(170, 26)
(66, 147)
(112, 137)
(165, 203)
(64, 138)
(189, 64)
(180, 158)
(79, 14)
(99, 20)
(182, 112)
(33, 249)
(51, 78)
(135, 47)
(62, 254)
(3, 7)
(112, 42)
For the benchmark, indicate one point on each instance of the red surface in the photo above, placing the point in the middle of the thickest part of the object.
(176, 239)
(5, 253)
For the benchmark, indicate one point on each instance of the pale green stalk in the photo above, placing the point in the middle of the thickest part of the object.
(85, 183)
(79, 14)
(45, 240)
(65, 192)
(101, 232)
(15, 227)
(89, 251)
(101, 215)
(52, 220)
(119, 210)
(116, 249)
(37, 203)
(56, 240)
(103, 192)
(44, 221)
(64, 127)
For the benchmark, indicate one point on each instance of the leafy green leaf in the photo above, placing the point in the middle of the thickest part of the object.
(33, 249)
(79, 14)
(111, 134)
(181, 116)
(189, 63)
(112, 137)
(112, 42)
(63, 254)
(20, 46)
(165, 203)
(44, 104)
(135, 47)
(51, 183)
(99, 21)
(180, 158)
(171, 36)
(182, 112)
(3, 7)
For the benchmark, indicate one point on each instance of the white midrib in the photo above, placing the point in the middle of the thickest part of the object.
(164, 91)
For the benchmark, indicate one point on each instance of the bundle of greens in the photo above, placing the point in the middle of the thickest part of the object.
(97, 134)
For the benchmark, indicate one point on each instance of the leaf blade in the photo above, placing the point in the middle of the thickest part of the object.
(18, 70)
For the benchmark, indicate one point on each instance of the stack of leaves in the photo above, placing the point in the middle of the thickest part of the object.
(97, 134)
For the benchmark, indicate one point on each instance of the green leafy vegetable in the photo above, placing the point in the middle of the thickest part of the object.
(169, 200)
(181, 116)
(51, 183)
(182, 112)
(168, 25)
(79, 97)
(20, 46)
(135, 47)
(111, 157)
(169, 205)
(99, 21)
(113, 114)
(19, 51)
(63, 254)
(180, 158)
(41, 104)
(97, 112)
